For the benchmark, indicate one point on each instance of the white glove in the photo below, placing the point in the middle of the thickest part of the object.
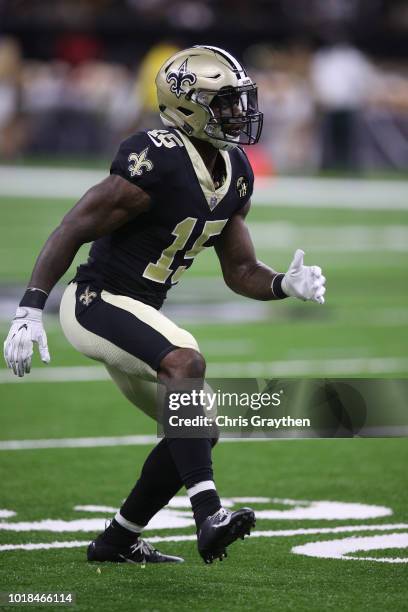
(304, 282)
(26, 328)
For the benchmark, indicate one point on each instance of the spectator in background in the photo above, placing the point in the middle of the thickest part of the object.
(342, 78)
(289, 109)
(146, 88)
(11, 132)
(83, 109)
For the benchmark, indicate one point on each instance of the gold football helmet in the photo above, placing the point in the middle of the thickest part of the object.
(205, 92)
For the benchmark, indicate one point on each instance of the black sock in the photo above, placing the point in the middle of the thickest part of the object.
(158, 483)
(204, 504)
(192, 457)
(116, 535)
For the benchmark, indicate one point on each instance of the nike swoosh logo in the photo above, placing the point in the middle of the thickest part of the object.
(25, 326)
(129, 560)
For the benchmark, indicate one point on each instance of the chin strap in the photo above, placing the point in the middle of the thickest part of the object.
(222, 145)
(170, 119)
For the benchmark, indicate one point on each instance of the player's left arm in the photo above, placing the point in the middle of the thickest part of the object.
(244, 274)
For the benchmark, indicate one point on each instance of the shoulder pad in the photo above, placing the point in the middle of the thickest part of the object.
(141, 158)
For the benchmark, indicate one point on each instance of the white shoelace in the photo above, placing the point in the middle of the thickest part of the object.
(221, 513)
(144, 547)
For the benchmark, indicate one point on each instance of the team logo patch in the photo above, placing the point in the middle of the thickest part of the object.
(87, 297)
(139, 162)
(242, 186)
(179, 77)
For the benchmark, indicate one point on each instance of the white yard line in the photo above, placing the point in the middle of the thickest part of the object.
(58, 374)
(309, 367)
(297, 367)
(32, 182)
(309, 192)
(306, 192)
(6, 445)
(192, 538)
(148, 440)
(102, 441)
(339, 239)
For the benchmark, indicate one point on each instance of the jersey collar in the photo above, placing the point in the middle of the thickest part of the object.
(213, 196)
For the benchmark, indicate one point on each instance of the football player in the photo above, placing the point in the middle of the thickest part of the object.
(170, 194)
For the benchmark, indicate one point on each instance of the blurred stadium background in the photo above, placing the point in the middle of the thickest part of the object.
(76, 77)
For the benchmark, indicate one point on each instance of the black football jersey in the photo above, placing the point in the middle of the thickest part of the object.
(145, 257)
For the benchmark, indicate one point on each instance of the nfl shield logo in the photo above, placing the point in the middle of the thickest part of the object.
(213, 201)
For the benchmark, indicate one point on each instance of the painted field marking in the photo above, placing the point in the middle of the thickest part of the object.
(304, 192)
(137, 440)
(339, 239)
(402, 540)
(341, 548)
(295, 367)
(177, 514)
(103, 441)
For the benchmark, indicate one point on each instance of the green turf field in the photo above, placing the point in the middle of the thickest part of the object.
(360, 331)
(260, 572)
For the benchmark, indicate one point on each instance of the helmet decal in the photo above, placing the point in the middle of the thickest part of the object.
(227, 56)
(180, 76)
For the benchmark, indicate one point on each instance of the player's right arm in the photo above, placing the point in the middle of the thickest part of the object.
(102, 209)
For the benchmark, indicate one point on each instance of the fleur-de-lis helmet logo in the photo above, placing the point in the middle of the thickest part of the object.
(139, 162)
(179, 77)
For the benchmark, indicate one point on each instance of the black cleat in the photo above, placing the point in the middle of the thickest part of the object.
(222, 529)
(139, 552)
